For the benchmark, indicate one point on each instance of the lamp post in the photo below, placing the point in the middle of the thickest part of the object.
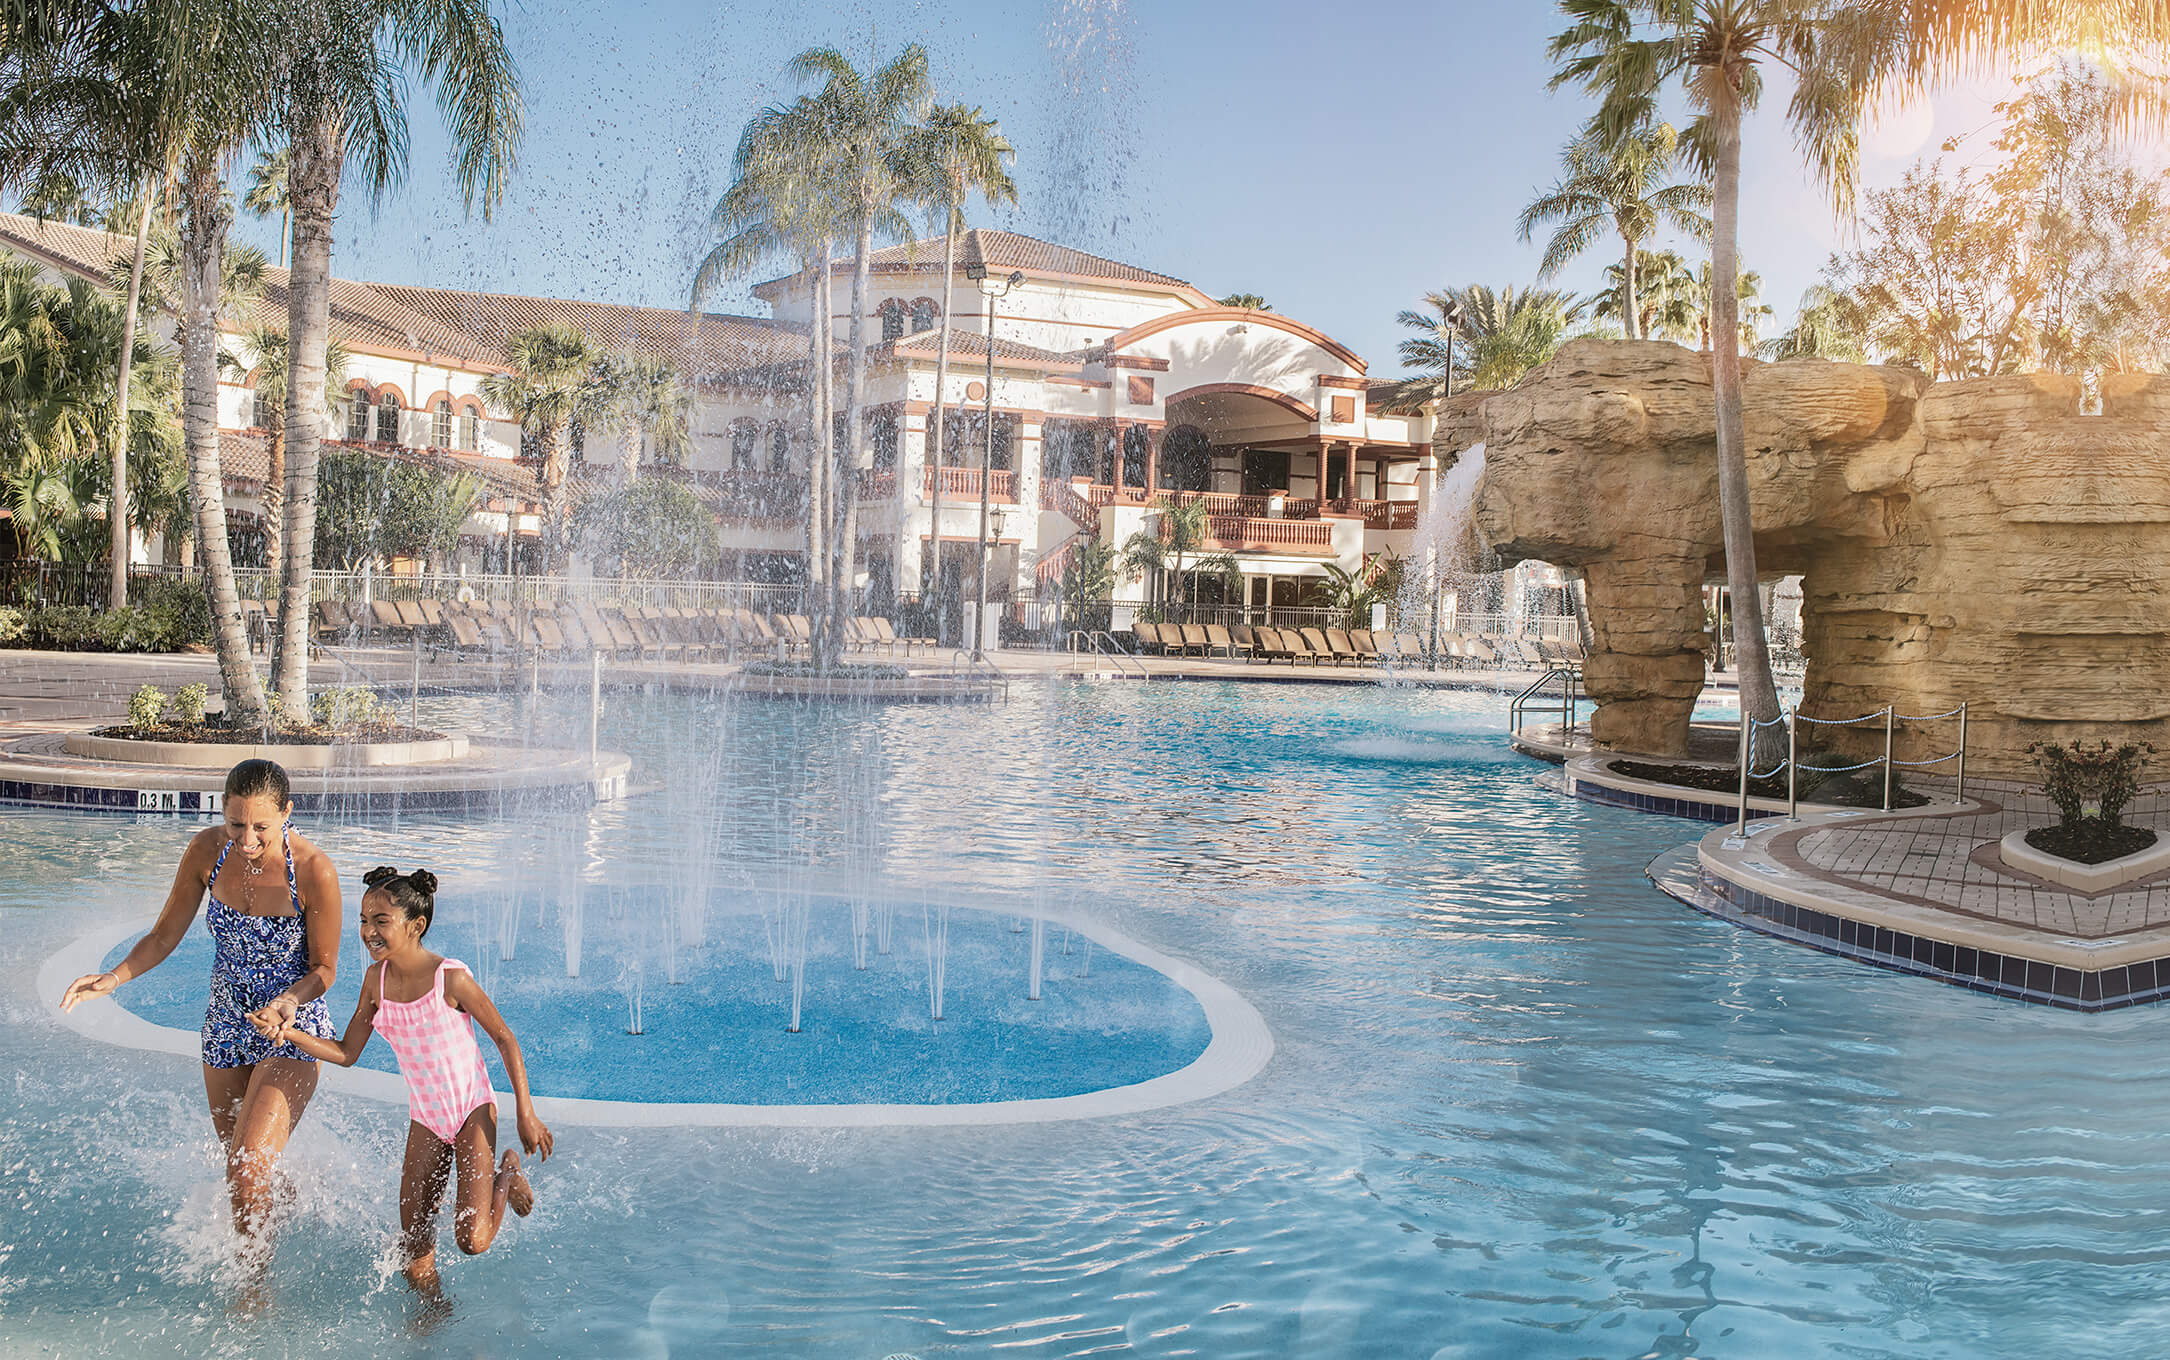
(993, 290)
(1450, 320)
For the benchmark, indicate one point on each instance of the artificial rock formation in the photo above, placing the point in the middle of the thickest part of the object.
(1979, 541)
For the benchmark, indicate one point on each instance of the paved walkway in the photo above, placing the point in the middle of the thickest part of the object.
(1950, 861)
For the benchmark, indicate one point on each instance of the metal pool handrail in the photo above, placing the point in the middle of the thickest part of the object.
(1793, 767)
(1104, 643)
(1570, 678)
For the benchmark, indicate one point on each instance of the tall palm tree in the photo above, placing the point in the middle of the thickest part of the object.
(1749, 308)
(958, 153)
(1434, 350)
(1626, 187)
(267, 195)
(643, 397)
(1665, 292)
(1506, 332)
(267, 348)
(545, 389)
(784, 201)
(343, 66)
(870, 117)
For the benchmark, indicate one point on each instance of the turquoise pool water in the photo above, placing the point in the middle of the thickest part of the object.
(1521, 1104)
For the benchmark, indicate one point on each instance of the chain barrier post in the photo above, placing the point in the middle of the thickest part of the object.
(1793, 767)
(1745, 751)
(1887, 757)
(1960, 793)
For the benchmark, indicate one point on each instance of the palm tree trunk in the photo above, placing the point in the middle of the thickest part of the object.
(117, 499)
(1628, 311)
(316, 156)
(556, 476)
(847, 546)
(273, 498)
(819, 372)
(931, 583)
(203, 247)
(1752, 658)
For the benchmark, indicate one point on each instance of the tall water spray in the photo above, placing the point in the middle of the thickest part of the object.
(1442, 551)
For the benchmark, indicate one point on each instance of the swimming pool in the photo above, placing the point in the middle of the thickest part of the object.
(1520, 1103)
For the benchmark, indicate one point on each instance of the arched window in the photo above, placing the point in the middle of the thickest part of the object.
(357, 415)
(470, 430)
(892, 313)
(779, 447)
(1186, 459)
(923, 313)
(744, 434)
(440, 426)
(388, 418)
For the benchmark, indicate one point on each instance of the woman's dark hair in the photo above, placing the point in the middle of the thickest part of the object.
(253, 777)
(414, 894)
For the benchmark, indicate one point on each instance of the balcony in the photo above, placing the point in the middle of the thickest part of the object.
(963, 484)
(1375, 514)
(1248, 534)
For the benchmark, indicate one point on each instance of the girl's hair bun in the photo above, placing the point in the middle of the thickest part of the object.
(424, 881)
(379, 876)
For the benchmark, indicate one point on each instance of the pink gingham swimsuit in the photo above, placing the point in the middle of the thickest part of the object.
(435, 1045)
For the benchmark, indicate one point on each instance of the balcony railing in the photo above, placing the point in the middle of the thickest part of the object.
(1059, 497)
(964, 484)
(1376, 514)
(1243, 533)
(877, 484)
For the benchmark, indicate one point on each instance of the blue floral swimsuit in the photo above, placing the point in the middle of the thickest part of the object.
(254, 959)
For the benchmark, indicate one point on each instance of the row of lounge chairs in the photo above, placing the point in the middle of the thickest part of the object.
(650, 632)
(1354, 646)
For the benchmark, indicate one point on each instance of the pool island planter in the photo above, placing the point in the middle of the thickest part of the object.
(206, 755)
(2084, 878)
(52, 770)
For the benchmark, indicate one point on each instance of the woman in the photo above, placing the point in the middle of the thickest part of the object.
(276, 953)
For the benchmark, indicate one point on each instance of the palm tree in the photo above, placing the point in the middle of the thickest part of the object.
(1433, 350)
(870, 119)
(783, 201)
(1250, 302)
(1750, 309)
(1159, 552)
(545, 388)
(1619, 186)
(958, 153)
(268, 348)
(343, 65)
(1828, 325)
(267, 195)
(1664, 306)
(650, 404)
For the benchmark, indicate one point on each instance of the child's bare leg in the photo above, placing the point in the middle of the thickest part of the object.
(421, 1189)
(485, 1188)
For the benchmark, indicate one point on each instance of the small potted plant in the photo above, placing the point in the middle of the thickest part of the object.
(2090, 783)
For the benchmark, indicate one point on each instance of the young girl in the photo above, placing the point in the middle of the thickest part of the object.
(426, 1006)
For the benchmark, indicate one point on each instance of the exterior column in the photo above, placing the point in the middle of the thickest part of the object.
(1152, 460)
(1122, 429)
(1325, 449)
(1350, 486)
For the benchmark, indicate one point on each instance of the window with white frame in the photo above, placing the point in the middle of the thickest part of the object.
(358, 416)
(440, 426)
(743, 436)
(388, 419)
(470, 430)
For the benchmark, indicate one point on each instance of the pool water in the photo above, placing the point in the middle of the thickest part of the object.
(1520, 1103)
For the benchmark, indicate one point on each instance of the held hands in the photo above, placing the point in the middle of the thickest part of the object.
(275, 1017)
(86, 987)
(534, 1134)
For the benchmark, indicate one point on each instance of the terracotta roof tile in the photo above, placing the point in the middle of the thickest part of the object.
(973, 344)
(1002, 251)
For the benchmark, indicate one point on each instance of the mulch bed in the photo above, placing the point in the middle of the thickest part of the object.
(2090, 841)
(218, 734)
(1837, 790)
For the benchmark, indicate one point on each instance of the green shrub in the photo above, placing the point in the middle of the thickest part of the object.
(128, 629)
(344, 709)
(145, 706)
(188, 703)
(13, 628)
(181, 608)
(2090, 781)
(64, 627)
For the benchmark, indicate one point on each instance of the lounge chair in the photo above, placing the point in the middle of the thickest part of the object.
(1315, 639)
(1194, 635)
(1218, 637)
(887, 632)
(1344, 648)
(470, 639)
(433, 612)
(1148, 636)
(1367, 646)
(1246, 639)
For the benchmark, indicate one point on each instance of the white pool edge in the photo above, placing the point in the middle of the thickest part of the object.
(1239, 1050)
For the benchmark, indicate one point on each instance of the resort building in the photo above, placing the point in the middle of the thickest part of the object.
(1113, 388)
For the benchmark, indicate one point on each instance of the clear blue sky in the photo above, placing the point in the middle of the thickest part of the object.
(1339, 160)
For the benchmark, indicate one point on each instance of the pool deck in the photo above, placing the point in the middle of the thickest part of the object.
(1922, 890)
